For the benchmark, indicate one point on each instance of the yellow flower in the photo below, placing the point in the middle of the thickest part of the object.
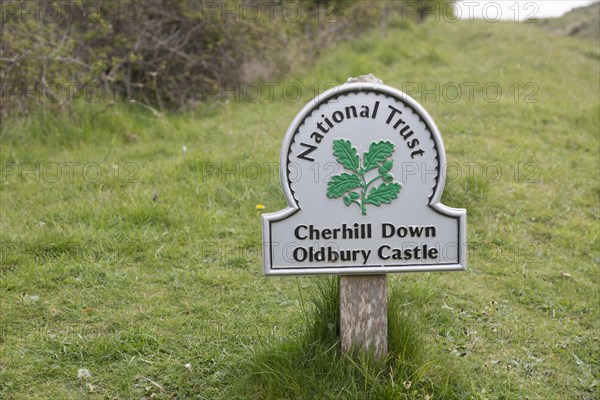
(260, 207)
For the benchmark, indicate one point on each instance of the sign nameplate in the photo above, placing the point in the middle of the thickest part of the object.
(363, 170)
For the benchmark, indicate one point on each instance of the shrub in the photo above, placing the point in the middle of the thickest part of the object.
(167, 53)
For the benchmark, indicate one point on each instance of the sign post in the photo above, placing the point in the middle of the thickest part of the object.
(363, 169)
(363, 313)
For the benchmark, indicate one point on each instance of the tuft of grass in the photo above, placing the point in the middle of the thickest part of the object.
(308, 362)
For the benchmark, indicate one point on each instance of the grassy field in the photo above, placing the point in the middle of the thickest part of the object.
(131, 242)
(582, 22)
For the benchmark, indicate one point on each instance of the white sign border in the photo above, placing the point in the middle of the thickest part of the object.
(293, 207)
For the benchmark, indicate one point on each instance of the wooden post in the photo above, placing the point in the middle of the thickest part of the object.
(363, 313)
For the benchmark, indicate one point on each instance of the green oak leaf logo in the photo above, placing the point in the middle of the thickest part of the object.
(345, 184)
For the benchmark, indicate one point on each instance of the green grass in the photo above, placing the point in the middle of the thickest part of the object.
(309, 365)
(155, 261)
(581, 22)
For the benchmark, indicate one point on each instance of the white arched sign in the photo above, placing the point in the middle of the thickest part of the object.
(363, 171)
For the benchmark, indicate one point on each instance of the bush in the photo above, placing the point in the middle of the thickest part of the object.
(167, 53)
